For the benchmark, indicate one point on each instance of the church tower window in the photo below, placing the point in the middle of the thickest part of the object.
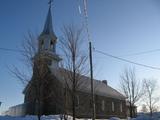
(51, 45)
(42, 44)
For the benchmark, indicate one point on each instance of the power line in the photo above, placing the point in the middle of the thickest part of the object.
(10, 50)
(125, 60)
(106, 54)
(140, 53)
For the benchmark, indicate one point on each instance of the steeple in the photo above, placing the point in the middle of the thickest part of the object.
(48, 27)
(47, 38)
(47, 42)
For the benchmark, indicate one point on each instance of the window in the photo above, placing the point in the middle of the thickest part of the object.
(77, 101)
(113, 106)
(51, 45)
(121, 109)
(47, 44)
(103, 105)
(42, 44)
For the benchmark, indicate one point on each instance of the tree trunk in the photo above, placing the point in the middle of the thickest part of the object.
(73, 108)
(39, 117)
(131, 115)
(74, 85)
(73, 103)
(151, 112)
(39, 110)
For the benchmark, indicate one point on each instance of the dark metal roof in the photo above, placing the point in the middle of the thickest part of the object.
(100, 87)
(48, 27)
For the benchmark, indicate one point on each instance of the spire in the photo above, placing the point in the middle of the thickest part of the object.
(48, 27)
(47, 41)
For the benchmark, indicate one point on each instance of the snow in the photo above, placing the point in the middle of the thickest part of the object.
(145, 118)
(16, 118)
(114, 118)
(52, 117)
(57, 117)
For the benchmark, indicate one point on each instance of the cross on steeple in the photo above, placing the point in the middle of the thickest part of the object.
(50, 3)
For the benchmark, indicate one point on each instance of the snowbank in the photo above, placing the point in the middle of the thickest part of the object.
(17, 118)
(114, 118)
(52, 117)
(145, 117)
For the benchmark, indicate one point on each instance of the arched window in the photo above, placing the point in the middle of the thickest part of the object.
(42, 44)
(51, 44)
(47, 44)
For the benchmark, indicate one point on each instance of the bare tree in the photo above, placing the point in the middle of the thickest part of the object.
(36, 68)
(39, 77)
(74, 61)
(150, 97)
(131, 88)
(28, 50)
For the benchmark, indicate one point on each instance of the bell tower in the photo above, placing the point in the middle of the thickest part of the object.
(47, 42)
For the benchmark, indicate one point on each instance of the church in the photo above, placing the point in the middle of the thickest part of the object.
(46, 94)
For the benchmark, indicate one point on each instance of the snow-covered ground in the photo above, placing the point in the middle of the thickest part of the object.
(57, 117)
(44, 118)
(30, 118)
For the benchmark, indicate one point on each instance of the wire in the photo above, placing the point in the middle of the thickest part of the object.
(125, 60)
(104, 53)
(141, 53)
(10, 50)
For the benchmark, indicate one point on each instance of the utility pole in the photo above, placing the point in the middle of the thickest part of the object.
(91, 75)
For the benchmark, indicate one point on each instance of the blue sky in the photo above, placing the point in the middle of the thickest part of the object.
(118, 27)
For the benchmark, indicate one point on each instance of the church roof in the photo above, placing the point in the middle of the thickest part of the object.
(48, 26)
(100, 88)
(84, 85)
